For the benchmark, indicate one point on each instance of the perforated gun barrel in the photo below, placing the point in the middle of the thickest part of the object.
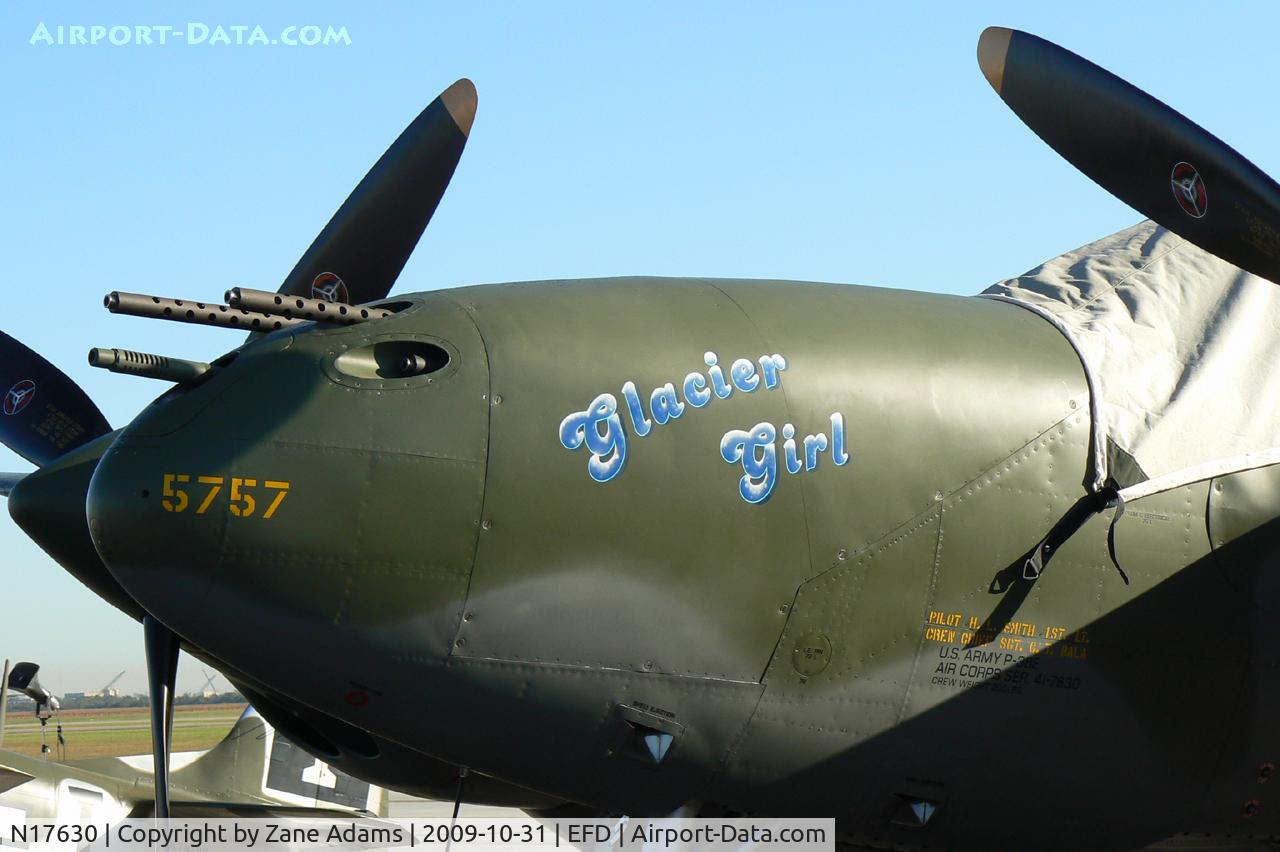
(147, 365)
(183, 310)
(300, 308)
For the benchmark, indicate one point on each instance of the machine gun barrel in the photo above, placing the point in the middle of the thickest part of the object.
(182, 310)
(301, 308)
(147, 365)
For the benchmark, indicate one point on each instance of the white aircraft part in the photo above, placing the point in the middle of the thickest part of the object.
(321, 775)
(145, 763)
(1181, 350)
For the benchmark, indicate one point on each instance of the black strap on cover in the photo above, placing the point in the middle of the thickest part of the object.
(1075, 518)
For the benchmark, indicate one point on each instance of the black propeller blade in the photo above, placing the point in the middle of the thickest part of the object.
(359, 254)
(1142, 151)
(162, 671)
(43, 413)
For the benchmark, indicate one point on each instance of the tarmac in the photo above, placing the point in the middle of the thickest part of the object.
(401, 806)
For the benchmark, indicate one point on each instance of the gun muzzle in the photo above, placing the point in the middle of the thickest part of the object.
(147, 365)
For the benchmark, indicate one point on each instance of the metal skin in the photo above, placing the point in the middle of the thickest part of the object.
(481, 599)
(47, 508)
(412, 563)
(48, 505)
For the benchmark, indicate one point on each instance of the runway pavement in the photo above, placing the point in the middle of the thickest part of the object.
(401, 806)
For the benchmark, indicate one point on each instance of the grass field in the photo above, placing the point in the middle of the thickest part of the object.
(122, 730)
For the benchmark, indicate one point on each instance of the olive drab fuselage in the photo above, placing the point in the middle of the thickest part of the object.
(774, 525)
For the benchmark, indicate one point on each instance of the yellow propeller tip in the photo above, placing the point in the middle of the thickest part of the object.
(460, 100)
(993, 49)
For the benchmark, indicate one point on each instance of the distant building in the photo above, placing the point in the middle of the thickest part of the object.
(20, 704)
(93, 693)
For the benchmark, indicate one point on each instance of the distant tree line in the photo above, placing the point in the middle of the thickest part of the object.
(21, 703)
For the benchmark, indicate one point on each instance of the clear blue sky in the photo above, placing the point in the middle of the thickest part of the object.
(829, 141)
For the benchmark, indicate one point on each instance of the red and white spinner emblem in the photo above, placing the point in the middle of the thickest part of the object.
(19, 396)
(1189, 190)
(329, 288)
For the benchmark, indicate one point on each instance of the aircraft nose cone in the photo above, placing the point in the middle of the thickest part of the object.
(298, 500)
(160, 497)
(156, 562)
(49, 506)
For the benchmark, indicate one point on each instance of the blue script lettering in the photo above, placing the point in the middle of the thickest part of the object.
(755, 451)
(759, 460)
(695, 390)
(639, 422)
(600, 429)
(600, 426)
(665, 404)
(839, 454)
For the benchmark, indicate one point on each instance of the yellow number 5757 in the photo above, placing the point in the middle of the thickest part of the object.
(241, 500)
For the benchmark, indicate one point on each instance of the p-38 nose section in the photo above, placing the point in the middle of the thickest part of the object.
(324, 480)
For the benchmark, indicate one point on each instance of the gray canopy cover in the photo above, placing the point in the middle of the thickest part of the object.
(1182, 353)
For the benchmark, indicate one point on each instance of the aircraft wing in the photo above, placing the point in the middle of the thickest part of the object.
(8, 480)
(10, 778)
(231, 810)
